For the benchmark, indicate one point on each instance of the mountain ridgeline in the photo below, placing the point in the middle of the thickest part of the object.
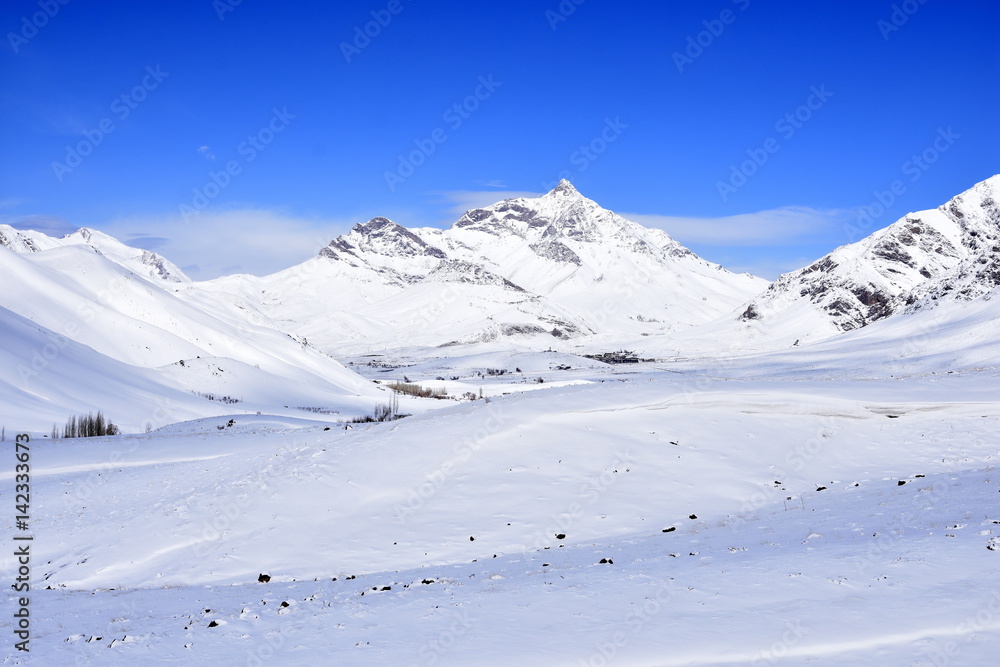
(546, 271)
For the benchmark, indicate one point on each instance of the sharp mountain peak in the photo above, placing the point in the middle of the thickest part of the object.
(563, 189)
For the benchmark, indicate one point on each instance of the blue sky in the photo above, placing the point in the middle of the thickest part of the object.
(243, 135)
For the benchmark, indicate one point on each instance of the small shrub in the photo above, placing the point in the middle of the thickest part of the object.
(384, 412)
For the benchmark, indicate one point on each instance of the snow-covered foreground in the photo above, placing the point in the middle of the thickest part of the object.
(794, 522)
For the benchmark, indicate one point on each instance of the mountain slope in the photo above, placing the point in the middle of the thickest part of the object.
(45, 377)
(132, 326)
(949, 252)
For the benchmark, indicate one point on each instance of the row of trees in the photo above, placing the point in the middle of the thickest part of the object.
(85, 426)
(418, 390)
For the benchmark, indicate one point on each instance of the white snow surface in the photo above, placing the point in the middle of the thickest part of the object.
(771, 490)
(826, 522)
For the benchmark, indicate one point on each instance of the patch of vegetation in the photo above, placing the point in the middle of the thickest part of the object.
(413, 389)
(471, 395)
(221, 399)
(85, 426)
(319, 411)
(384, 412)
(381, 364)
(618, 357)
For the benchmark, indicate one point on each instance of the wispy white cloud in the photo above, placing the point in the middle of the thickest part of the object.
(227, 241)
(496, 183)
(47, 224)
(206, 152)
(790, 225)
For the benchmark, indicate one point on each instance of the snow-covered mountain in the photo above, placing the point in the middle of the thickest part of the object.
(617, 274)
(92, 317)
(952, 252)
(531, 269)
(142, 262)
(553, 271)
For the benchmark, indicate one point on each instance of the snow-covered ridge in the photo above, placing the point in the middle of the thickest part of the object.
(565, 215)
(16, 240)
(145, 263)
(949, 252)
(380, 236)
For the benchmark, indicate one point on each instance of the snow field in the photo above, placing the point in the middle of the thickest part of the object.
(863, 569)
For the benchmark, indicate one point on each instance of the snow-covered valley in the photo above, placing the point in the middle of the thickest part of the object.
(745, 474)
(790, 521)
